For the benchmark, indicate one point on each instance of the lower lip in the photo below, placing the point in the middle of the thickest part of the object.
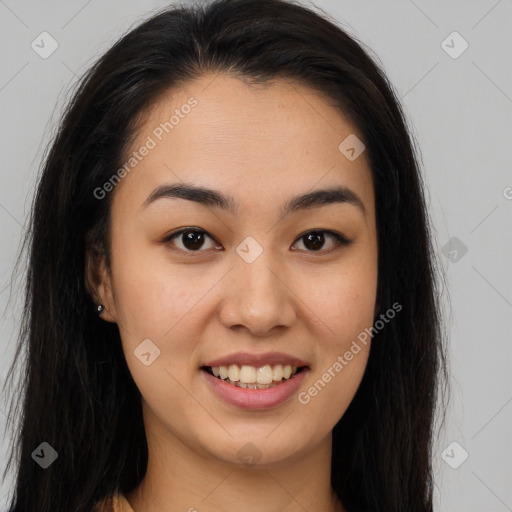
(255, 399)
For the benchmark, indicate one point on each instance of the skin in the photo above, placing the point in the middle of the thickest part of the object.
(261, 145)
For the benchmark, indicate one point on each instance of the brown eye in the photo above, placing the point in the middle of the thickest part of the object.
(191, 239)
(315, 240)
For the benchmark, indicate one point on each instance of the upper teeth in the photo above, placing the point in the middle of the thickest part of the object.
(250, 374)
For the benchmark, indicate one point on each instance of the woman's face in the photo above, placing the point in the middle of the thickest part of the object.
(257, 272)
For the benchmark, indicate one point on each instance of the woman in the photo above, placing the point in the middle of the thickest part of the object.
(232, 293)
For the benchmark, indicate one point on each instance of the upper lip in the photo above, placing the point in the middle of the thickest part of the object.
(257, 360)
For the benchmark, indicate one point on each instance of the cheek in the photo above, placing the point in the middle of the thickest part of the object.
(162, 303)
(342, 299)
(328, 393)
(345, 306)
(150, 295)
(157, 314)
(346, 309)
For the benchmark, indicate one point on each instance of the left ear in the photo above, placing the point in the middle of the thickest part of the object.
(98, 281)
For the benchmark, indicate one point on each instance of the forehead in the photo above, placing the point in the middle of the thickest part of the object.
(273, 139)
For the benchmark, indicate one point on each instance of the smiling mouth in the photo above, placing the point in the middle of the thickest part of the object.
(250, 377)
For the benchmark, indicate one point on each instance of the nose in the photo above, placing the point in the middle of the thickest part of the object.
(258, 297)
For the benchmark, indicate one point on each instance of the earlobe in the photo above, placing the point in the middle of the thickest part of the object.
(102, 312)
(98, 283)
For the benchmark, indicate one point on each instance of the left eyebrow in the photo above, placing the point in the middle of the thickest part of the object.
(323, 197)
(209, 197)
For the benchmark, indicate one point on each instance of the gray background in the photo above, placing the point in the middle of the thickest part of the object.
(459, 109)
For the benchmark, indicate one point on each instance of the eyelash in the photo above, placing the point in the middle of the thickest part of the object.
(341, 241)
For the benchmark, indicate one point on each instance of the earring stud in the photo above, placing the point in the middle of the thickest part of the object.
(100, 309)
